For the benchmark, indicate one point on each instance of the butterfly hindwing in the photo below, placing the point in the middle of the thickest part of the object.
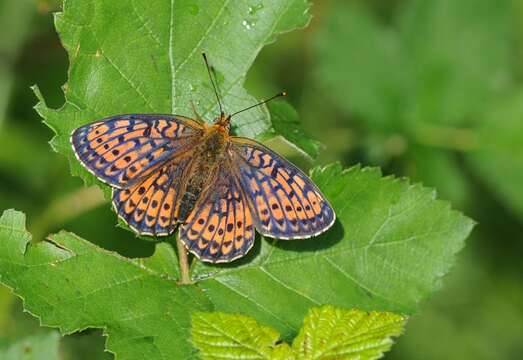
(220, 228)
(122, 149)
(286, 204)
(149, 205)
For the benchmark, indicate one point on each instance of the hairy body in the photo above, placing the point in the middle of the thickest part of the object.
(207, 156)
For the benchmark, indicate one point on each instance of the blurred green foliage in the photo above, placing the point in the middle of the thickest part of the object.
(37, 347)
(429, 89)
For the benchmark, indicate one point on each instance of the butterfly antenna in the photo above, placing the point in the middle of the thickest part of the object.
(214, 86)
(283, 93)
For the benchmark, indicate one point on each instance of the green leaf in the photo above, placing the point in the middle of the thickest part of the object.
(388, 251)
(393, 243)
(334, 333)
(327, 333)
(498, 158)
(37, 347)
(71, 284)
(225, 336)
(145, 57)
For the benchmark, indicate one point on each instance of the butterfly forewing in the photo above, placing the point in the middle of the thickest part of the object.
(285, 202)
(122, 149)
(220, 228)
(149, 206)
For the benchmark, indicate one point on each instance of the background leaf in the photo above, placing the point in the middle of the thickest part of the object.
(285, 121)
(418, 80)
(37, 347)
(357, 74)
(15, 20)
(499, 156)
(445, 64)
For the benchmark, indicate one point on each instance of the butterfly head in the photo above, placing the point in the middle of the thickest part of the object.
(223, 121)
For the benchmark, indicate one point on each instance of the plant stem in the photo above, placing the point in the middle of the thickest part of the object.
(183, 262)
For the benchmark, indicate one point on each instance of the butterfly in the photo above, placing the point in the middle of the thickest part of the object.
(171, 171)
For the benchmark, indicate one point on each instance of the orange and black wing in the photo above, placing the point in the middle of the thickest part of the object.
(123, 149)
(149, 205)
(220, 228)
(285, 203)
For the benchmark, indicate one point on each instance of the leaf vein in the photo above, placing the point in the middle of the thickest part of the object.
(343, 272)
(288, 287)
(255, 303)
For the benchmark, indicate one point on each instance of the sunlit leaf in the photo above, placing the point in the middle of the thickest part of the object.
(334, 333)
(327, 333)
(225, 336)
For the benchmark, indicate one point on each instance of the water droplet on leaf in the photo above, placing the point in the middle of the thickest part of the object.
(248, 24)
(253, 9)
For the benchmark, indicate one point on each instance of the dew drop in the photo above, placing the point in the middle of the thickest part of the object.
(248, 24)
(253, 9)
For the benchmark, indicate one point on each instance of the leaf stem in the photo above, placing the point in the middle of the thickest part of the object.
(183, 262)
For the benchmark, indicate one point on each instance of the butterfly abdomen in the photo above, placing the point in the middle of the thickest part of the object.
(206, 158)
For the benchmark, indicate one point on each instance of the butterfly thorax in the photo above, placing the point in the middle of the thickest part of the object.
(207, 155)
